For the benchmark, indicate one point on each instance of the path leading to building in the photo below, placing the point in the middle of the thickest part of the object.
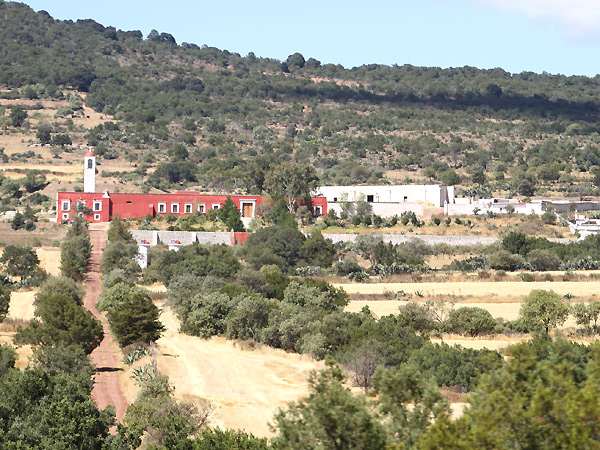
(107, 390)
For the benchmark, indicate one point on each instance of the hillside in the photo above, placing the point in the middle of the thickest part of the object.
(162, 115)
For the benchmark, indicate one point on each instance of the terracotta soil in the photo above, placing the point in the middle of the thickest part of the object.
(107, 357)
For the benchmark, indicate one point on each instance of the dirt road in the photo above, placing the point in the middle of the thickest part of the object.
(106, 357)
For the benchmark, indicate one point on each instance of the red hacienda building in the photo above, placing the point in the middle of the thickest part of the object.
(102, 207)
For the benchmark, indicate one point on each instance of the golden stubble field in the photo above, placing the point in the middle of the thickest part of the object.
(490, 291)
(501, 299)
(21, 305)
(245, 384)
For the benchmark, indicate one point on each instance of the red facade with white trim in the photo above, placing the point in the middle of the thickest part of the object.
(105, 206)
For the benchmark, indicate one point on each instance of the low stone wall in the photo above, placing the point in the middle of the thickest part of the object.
(155, 237)
(428, 239)
(189, 237)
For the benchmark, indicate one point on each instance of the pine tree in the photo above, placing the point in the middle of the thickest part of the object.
(136, 320)
(230, 215)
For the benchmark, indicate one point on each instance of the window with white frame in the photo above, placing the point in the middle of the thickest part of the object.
(97, 205)
(318, 210)
(175, 208)
(162, 208)
(216, 205)
(188, 208)
(96, 216)
(66, 205)
(65, 216)
(80, 203)
(201, 208)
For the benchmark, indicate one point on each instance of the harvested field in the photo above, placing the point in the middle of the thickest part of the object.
(21, 305)
(247, 386)
(497, 343)
(49, 259)
(507, 311)
(496, 291)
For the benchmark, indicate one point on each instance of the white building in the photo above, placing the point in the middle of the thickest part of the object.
(387, 201)
(89, 172)
(584, 226)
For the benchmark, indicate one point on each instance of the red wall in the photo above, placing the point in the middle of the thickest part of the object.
(128, 205)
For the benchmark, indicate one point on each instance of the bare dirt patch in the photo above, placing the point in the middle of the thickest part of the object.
(246, 386)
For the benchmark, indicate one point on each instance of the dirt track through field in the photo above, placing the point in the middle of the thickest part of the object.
(107, 390)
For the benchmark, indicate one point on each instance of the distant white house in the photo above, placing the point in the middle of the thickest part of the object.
(387, 201)
(468, 206)
(584, 226)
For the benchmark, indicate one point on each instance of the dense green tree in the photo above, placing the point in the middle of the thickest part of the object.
(17, 116)
(450, 177)
(543, 260)
(217, 439)
(178, 152)
(317, 251)
(542, 397)
(119, 255)
(34, 181)
(4, 300)
(20, 261)
(115, 295)
(504, 260)
(295, 61)
(11, 188)
(59, 285)
(470, 321)
(250, 315)
(43, 133)
(291, 181)
(407, 403)
(75, 254)
(135, 320)
(331, 417)
(64, 322)
(60, 358)
(43, 411)
(280, 216)
(524, 184)
(543, 310)
(164, 422)
(587, 315)
(274, 245)
(61, 140)
(118, 232)
(8, 358)
(230, 215)
(208, 315)
(17, 221)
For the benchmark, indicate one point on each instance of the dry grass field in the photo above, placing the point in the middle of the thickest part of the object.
(246, 384)
(501, 299)
(490, 291)
(21, 305)
(20, 309)
(480, 226)
(44, 234)
(49, 259)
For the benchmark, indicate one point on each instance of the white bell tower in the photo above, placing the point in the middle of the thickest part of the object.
(89, 172)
